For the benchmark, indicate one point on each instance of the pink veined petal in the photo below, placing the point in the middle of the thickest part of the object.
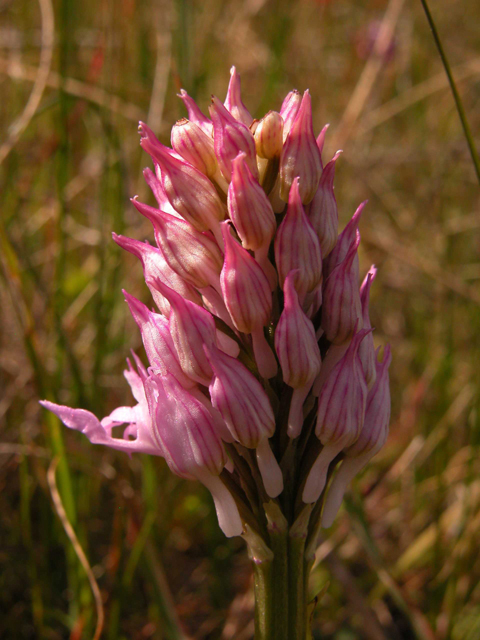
(193, 255)
(297, 246)
(194, 113)
(233, 101)
(231, 137)
(301, 157)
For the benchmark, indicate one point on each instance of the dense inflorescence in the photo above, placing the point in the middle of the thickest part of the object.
(263, 378)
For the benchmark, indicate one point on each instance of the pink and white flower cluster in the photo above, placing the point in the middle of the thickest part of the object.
(262, 335)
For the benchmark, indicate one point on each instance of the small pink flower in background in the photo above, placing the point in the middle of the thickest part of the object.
(262, 350)
(366, 38)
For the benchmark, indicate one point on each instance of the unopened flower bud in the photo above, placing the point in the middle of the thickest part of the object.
(174, 410)
(231, 137)
(322, 210)
(269, 136)
(246, 409)
(195, 146)
(297, 246)
(289, 110)
(341, 300)
(191, 327)
(341, 411)
(233, 102)
(158, 342)
(300, 155)
(371, 439)
(190, 192)
(159, 193)
(195, 115)
(344, 242)
(190, 253)
(155, 267)
(297, 351)
(248, 298)
(249, 207)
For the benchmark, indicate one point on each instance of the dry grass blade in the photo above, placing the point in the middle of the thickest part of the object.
(415, 94)
(162, 68)
(41, 78)
(73, 87)
(435, 271)
(57, 501)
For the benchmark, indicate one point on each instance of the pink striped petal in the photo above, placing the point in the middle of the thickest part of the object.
(190, 192)
(194, 146)
(194, 113)
(233, 102)
(231, 138)
(322, 211)
(300, 155)
(341, 308)
(297, 246)
(190, 253)
(249, 207)
(191, 327)
(155, 268)
(366, 351)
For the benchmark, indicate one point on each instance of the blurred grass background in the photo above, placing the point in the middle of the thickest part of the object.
(402, 560)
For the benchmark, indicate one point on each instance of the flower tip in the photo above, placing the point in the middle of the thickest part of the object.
(129, 299)
(289, 288)
(352, 252)
(387, 355)
(306, 100)
(143, 129)
(239, 160)
(139, 311)
(294, 195)
(225, 227)
(359, 211)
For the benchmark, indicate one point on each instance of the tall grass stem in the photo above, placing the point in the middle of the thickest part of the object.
(453, 86)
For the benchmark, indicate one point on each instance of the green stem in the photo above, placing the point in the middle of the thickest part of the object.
(298, 571)
(262, 571)
(453, 87)
(297, 601)
(281, 577)
(280, 568)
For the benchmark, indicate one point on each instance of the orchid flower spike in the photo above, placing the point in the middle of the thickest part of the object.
(263, 382)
